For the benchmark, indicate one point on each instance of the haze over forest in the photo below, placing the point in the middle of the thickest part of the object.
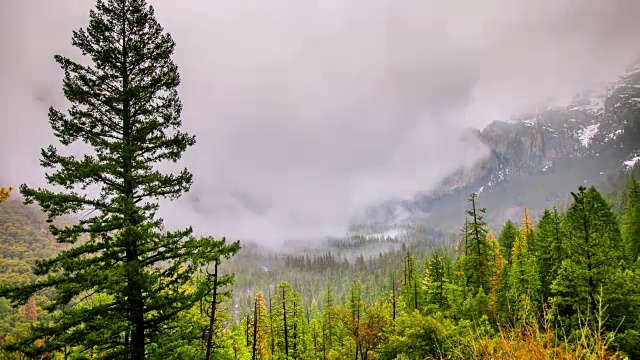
(307, 111)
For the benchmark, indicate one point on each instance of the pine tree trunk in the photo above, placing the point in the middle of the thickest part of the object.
(246, 329)
(256, 314)
(415, 294)
(477, 236)
(393, 295)
(135, 299)
(295, 331)
(212, 316)
(324, 342)
(592, 289)
(286, 331)
(441, 286)
(273, 343)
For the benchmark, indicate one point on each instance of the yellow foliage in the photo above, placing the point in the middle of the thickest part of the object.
(4, 193)
(260, 320)
(533, 343)
(519, 248)
(527, 224)
(495, 278)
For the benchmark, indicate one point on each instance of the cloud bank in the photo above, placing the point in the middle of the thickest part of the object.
(305, 111)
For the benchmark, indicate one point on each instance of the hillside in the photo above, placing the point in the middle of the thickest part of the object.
(24, 238)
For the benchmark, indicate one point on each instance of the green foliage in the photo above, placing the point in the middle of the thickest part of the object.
(478, 262)
(420, 337)
(506, 239)
(121, 287)
(631, 220)
(551, 252)
(523, 278)
(594, 254)
(411, 289)
(358, 320)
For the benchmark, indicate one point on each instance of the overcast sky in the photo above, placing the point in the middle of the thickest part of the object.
(304, 110)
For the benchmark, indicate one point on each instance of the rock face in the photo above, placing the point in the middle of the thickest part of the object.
(537, 158)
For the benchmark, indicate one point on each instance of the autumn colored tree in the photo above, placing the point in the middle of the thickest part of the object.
(30, 310)
(375, 328)
(526, 230)
(5, 193)
(260, 329)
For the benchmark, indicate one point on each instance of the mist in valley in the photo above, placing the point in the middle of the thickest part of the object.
(306, 112)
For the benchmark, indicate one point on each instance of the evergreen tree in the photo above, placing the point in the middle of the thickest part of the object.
(434, 282)
(506, 239)
(125, 106)
(330, 320)
(594, 253)
(283, 320)
(299, 344)
(355, 311)
(216, 283)
(550, 252)
(631, 220)
(315, 333)
(478, 263)
(524, 282)
(498, 262)
(410, 292)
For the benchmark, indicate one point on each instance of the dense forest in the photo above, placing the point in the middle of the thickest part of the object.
(95, 275)
(566, 287)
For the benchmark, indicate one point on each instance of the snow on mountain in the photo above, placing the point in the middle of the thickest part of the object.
(587, 134)
(536, 157)
(632, 162)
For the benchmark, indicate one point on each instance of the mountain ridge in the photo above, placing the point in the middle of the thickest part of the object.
(595, 135)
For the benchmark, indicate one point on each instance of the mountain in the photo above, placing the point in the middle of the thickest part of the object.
(547, 152)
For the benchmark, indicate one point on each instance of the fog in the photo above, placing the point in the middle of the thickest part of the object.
(306, 111)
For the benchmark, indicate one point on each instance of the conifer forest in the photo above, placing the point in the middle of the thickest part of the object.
(88, 269)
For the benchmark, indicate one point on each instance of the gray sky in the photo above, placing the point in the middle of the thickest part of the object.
(306, 110)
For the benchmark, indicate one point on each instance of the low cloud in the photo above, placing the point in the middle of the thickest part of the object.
(307, 111)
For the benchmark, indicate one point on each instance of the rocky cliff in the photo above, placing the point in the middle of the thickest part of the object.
(537, 158)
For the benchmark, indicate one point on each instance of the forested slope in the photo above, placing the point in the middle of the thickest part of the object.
(24, 239)
(542, 285)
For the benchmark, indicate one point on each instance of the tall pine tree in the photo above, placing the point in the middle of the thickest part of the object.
(550, 252)
(594, 253)
(478, 262)
(524, 281)
(506, 239)
(125, 107)
(260, 330)
(631, 220)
